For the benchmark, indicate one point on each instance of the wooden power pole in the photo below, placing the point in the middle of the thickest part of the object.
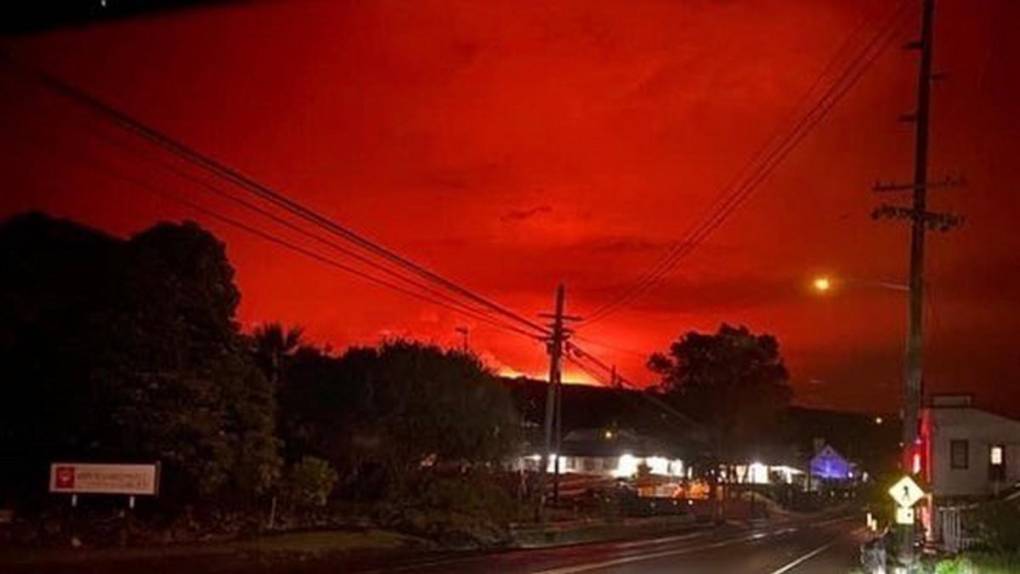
(554, 395)
(921, 221)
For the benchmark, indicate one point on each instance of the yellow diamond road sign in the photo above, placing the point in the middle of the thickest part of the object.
(906, 493)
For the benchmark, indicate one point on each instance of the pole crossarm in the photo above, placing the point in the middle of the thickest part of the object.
(948, 181)
(932, 221)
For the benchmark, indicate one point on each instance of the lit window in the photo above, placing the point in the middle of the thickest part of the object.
(626, 466)
(758, 473)
(997, 463)
(995, 456)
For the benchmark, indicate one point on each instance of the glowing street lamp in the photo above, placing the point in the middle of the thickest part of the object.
(824, 284)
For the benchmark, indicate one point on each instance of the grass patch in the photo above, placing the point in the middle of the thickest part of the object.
(981, 563)
(309, 544)
(324, 542)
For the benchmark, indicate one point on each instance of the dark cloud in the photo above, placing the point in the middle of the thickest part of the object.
(524, 214)
(680, 293)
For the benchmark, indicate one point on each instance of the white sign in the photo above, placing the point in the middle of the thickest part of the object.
(904, 515)
(87, 478)
(906, 493)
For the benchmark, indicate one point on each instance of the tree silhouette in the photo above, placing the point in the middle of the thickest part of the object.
(129, 351)
(733, 381)
(382, 415)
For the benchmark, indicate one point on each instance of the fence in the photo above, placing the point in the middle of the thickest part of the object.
(952, 529)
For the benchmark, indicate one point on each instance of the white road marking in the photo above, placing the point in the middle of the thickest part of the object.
(655, 555)
(803, 558)
(640, 557)
(663, 540)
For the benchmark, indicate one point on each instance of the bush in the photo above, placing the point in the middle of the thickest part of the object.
(999, 526)
(309, 483)
(464, 510)
(469, 495)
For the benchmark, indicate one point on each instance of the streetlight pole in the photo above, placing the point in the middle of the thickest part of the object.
(464, 332)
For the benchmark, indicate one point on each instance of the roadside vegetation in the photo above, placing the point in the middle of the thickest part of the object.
(997, 526)
(130, 351)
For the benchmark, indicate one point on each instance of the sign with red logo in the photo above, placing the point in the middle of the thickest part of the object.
(89, 478)
(64, 477)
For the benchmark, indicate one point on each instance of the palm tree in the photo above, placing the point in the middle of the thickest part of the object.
(273, 342)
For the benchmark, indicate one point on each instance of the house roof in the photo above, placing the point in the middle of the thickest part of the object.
(600, 443)
(589, 407)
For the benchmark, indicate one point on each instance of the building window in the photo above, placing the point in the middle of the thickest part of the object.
(996, 462)
(995, 455)
(958, 454)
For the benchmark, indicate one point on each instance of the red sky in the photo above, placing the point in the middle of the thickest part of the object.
(513, 145)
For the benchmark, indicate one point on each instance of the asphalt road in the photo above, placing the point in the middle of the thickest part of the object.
(825, 546)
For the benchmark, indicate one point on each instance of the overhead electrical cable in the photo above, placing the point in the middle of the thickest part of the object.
(451, 304)
(220, 192)
(253, 186)
(748, 179)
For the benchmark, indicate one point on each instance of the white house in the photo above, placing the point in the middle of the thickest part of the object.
(972, 453)
(967, 454)
(611, 453)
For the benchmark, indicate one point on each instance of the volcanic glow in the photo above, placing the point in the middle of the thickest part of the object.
(511, 146)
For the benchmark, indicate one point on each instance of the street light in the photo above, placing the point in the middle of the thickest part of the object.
(824, 284)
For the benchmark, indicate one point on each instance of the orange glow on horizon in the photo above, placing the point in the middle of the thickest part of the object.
(570, 376)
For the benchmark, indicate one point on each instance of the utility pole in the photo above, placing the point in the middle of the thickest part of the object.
(464, 332)
(554, 399)
(914, 373)
(921, 221)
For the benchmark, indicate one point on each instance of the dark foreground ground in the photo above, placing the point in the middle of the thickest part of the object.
(822, 545)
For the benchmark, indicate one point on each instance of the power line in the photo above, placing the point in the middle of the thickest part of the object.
(288, 224)
(458, 308)
(740, 189)
(578, 354)
(590, 341)
(730, 203)
(577, 351)
(251, 185)
(450, 304)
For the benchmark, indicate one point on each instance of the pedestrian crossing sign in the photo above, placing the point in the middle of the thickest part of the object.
(906, 493)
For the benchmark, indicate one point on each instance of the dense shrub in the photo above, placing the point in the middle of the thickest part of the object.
(309, 483)
(470, 509)
(999, 526)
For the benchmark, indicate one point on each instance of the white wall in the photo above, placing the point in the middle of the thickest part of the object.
(981, 430)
